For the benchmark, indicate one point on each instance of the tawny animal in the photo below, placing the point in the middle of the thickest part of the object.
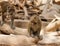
(34, 26)
(7, 8)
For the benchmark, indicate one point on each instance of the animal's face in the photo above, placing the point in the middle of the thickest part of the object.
(35, 20)
(6, 6)
(35, 23)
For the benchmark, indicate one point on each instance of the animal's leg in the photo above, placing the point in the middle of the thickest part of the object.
(38, 34)
(12, 22)
(3, 19)
(32, 35)
(31, 32)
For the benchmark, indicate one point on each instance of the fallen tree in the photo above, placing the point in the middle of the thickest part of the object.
(16, 40)
(53, 26)
(17, 31)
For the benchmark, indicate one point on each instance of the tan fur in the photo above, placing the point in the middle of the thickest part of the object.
(36, 27)
(7, 7)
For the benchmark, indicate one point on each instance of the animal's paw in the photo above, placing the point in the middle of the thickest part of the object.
(13, 27)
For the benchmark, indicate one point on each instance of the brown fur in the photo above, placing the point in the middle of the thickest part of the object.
(34, 26)
(7, 7)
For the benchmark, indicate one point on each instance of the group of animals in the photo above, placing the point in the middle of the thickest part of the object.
(34, 26)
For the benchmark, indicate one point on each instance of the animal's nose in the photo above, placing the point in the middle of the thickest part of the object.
(35, 23)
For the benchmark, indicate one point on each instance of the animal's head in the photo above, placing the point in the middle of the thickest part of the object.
(35, 20)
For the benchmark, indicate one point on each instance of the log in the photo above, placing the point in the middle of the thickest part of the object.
(16, 40)
(5, 28)
(50, 40)
(17, 31)
(52, 26)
